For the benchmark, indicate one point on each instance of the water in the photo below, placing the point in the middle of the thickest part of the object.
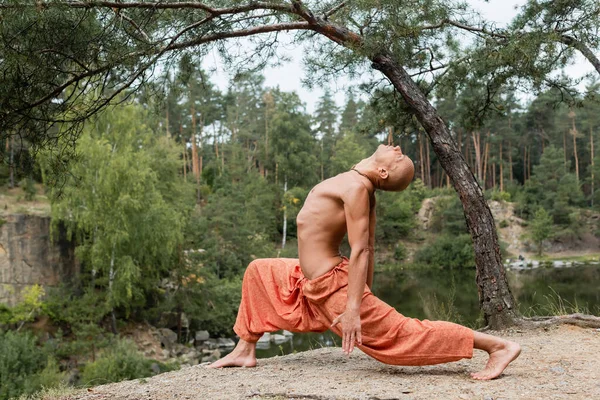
(452, 295)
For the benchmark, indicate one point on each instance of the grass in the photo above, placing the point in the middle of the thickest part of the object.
(61, 392)
(556, 305)
(12, 201)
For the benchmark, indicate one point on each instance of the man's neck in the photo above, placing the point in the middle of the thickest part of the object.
(366, 176)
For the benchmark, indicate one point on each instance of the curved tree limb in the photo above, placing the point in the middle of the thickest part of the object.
(583, 49)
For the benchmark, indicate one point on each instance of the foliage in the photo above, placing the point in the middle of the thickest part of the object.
(29, 188)
(121, 361)
(448, 216)
(24, 367)
(552, 188)
(498, 195)
(124, 207)
(448, 251)
(396, 212)
(400, 252)
(27, 309)
(541, 228)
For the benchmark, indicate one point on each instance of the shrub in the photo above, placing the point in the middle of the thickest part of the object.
(498, 195)
(28, 185)
(400, 252)
(451, 251)
(121, 362)
(448, 216)
(24, 367)
(503, 224)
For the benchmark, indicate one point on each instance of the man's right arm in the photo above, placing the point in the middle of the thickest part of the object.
(357, 210)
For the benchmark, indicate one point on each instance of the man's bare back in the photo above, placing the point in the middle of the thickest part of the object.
(322, 222)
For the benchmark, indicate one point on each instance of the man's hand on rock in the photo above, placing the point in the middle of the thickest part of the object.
(351, 330)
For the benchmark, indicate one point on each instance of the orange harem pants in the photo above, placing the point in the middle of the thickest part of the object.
(276, 295)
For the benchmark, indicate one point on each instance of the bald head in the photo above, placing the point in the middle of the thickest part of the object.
(394, 171)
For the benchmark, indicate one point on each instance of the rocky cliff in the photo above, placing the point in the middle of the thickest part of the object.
(28, 256)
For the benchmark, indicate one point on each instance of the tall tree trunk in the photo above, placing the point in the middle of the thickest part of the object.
(592, 163)
(428, 165)
(268, 99)
(167, 123)
(510, 163)
(421, 162)
(201, 150)
(185, 161)
(528, 162)
(486, 154)
(501, 170)
(11, 162)
(496, 300)
(111, 279)
(477, 147)
(574, 133)
(494, 176)
(565, 147)
(390, 135)
(195, 162)
(322, 168)
(284, 237)
(524, 164)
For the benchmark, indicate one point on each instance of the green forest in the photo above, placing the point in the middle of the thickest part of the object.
(171, 197)
(168, 188)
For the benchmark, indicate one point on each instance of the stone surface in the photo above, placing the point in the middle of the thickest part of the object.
(279, 339)
(225, 342)
(168, 338)
(28, 256)
(202, 336)
(265, 338)
(426, 212)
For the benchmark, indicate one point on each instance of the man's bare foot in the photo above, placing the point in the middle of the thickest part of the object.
(500, 357)
(244, 355)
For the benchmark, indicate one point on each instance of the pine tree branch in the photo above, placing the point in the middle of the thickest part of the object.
(150, 5)
(583, 49)
(334, 10)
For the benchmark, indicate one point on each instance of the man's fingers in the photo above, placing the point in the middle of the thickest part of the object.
(351, 344)
(358, 337)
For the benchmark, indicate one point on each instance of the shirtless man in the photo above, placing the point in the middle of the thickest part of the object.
(323, 290)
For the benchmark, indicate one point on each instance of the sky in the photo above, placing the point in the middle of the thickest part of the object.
(288, 77)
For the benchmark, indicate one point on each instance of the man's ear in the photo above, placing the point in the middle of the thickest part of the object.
(383, 173)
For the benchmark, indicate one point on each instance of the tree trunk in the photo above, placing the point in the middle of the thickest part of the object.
(528, 162)
(284, 237)
(111, 279)
(494, 176)
(486, 154)
(195, 162)
(574, 133)
(496, 300)
(167, 123)
(510, 164)
(524, 164)
(421, 159)
(501, 170)
(592, 163)
(428, 165)
(565, 148)
(476, 146)
(185, 161)
(11, 162)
